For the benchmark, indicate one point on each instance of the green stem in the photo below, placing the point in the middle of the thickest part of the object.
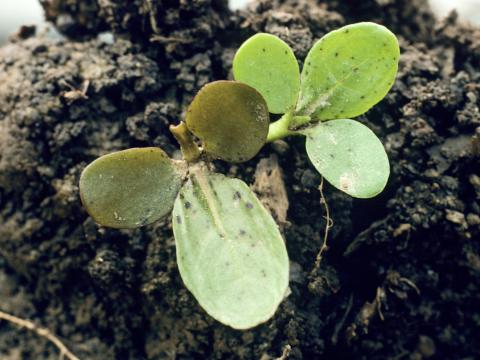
(285, 126)
(299, 120)
(190, 151)
(279, 129)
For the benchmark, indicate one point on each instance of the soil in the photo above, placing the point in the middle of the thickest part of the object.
(401, 276)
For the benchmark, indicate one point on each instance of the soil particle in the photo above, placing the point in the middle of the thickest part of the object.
(118, 295)
(270, 188)
(77, 19)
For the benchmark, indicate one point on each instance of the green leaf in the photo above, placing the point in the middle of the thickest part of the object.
(230, 252)
(349, 156)
(131, 188)
(230, 118)
(269, 65)
(348, 71)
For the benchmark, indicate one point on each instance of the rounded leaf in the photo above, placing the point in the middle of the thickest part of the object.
(268, 64)
(348, 71)
(230, 253)
(230, 118)
(349, 156)
(131, 188)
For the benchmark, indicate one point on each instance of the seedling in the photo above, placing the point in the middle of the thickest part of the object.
(345, 73)
(230, 253)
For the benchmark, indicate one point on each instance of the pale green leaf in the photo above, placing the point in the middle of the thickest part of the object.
(131, 188)
(348, 71)
(230, 253)
(230, 118)
(268, 64)
(349, 156)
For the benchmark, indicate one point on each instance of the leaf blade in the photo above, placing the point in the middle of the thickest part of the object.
(268, 64)
(131, 188)
(349, 156)
(230, 253)
(348, 71)
(230, 118)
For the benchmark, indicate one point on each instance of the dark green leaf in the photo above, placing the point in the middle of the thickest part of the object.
(230, 118)
(131, 188)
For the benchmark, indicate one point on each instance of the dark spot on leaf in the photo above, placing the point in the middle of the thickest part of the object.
(332, 156)
(187, 205)
(182, 196)
(237, 195)
(249, 205)
(264, 273)
(308, 63)
(362, 97)
(286, 52)
(263, 50)
(227, 263)
(355, 69)
(384, 44)
(242, 232)
(352, 57)
(347, 31)
(179, 219)
(336, 54)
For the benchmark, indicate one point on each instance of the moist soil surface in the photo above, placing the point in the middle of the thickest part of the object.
(401, 276)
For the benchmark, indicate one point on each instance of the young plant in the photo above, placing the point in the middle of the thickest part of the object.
(230, 253)
(345, 73)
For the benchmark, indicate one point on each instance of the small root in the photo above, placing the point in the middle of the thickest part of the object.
(341, 323)
(379, 299)
(285, 353)
(329, 224)
(411, 284)
(45, 333)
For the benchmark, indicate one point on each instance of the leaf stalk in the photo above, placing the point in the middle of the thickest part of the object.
(286, 126)
(190, 151)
